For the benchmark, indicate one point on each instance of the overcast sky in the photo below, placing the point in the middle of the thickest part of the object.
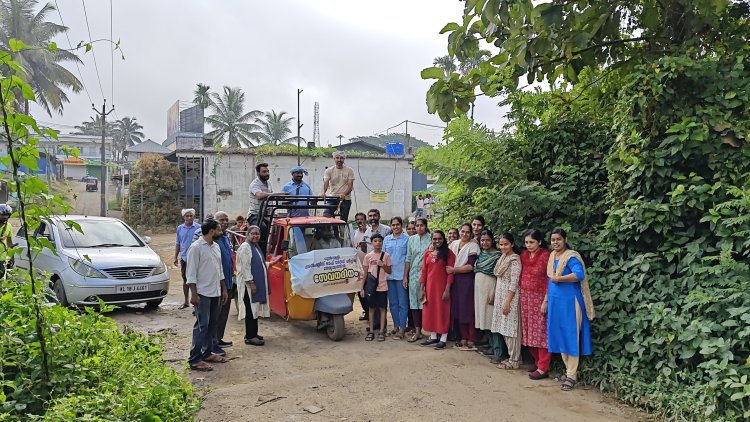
(359, 59)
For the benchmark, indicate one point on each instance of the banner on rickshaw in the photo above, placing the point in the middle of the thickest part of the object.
(325, 272)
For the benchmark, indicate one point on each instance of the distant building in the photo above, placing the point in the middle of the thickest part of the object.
(135, 152)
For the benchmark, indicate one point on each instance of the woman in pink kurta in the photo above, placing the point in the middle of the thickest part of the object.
(436, 285)
(533, 289)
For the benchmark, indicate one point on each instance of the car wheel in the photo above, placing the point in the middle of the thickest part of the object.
(153, 304)
(59, 290)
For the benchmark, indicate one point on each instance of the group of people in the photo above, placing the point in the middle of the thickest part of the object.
(473, 285)
(219, 264)
(466, 283)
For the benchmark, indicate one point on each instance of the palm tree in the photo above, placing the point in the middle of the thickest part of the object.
(93, 127)
(472, 63)
(127, 132)
(48, 78)
(202, 96)
(275, 128)
(230, 122)
(446, 63)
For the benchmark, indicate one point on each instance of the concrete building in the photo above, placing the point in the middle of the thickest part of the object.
(221, 180)
(135, 152)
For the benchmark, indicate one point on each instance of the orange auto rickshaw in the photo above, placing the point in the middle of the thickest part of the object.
(317, 277)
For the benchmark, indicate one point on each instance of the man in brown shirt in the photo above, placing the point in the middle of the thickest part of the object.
(338, 183)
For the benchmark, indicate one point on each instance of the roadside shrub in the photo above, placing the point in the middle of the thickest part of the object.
(96, 370)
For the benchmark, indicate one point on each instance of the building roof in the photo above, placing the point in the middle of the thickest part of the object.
(361, 146)
(148, 146)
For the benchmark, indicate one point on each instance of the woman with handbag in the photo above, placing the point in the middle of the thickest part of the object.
(377, 265)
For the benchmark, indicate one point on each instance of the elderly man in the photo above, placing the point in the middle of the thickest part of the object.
(338, 183)
(297, 187)
(227, 268)
(185, 233)
(208, 292)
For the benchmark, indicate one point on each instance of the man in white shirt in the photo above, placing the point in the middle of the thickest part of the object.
(208, 291)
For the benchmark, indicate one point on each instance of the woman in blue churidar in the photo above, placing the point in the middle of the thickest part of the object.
(569, 307)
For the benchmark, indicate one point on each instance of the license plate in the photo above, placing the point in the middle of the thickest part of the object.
(134, 288)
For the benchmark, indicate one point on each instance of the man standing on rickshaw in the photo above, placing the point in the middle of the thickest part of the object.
(338, 183)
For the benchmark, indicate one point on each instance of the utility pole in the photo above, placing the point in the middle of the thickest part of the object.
(340, 136)
(299, 126)
(103, 195)
(408, 140)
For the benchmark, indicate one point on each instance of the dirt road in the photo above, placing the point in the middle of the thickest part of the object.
(356, 380)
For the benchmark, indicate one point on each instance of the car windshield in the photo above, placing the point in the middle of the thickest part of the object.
(311, 237)
(98, 234)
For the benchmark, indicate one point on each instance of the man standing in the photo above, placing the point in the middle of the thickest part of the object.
(207, 288)
(185, 233)
(338, 183)
(298, 188)
(373, 218)
(260, 189)
(358, 243)
(227, 268)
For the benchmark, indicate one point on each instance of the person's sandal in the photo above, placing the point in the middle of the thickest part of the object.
(381, 336)
(560, 378)
(536, 375)
(414, 338)
(369, 337)
(507, 365)
(568, 384)
(201, 366)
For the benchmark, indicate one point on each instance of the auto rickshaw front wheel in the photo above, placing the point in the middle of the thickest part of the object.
(336, 329)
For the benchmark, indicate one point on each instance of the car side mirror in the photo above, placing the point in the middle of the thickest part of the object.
(147, 239)
(284, 245)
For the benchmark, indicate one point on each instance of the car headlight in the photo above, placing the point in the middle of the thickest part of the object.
(84, 269)
(160, 269)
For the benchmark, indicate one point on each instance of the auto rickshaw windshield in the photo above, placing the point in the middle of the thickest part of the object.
(311, 237)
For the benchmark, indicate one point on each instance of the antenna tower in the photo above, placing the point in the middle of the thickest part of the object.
(316, 125)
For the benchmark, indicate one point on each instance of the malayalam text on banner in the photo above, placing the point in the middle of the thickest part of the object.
(325, 272)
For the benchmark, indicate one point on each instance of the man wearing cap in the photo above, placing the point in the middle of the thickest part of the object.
(184, 239)
(338, 183)
(298, 188)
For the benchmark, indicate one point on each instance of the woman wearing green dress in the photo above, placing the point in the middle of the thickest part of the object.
(415, 250)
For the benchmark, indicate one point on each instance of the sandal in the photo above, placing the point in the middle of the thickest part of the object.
(536, 375)
(201, 366)
(214, 358)
(381, 336)
(414, 338)
(560, 378)
(183, 306)
(507, 365)
(369, 337)
(568, 384)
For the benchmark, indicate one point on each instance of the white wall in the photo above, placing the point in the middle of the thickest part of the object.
(235, 171)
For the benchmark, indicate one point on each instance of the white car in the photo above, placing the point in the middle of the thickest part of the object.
(108, 261)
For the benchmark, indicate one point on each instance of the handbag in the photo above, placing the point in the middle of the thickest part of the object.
(371, 281)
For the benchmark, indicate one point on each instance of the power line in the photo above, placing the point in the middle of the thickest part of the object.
(96, 66)
(70, 45)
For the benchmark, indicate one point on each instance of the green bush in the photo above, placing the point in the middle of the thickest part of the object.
(96, 370)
